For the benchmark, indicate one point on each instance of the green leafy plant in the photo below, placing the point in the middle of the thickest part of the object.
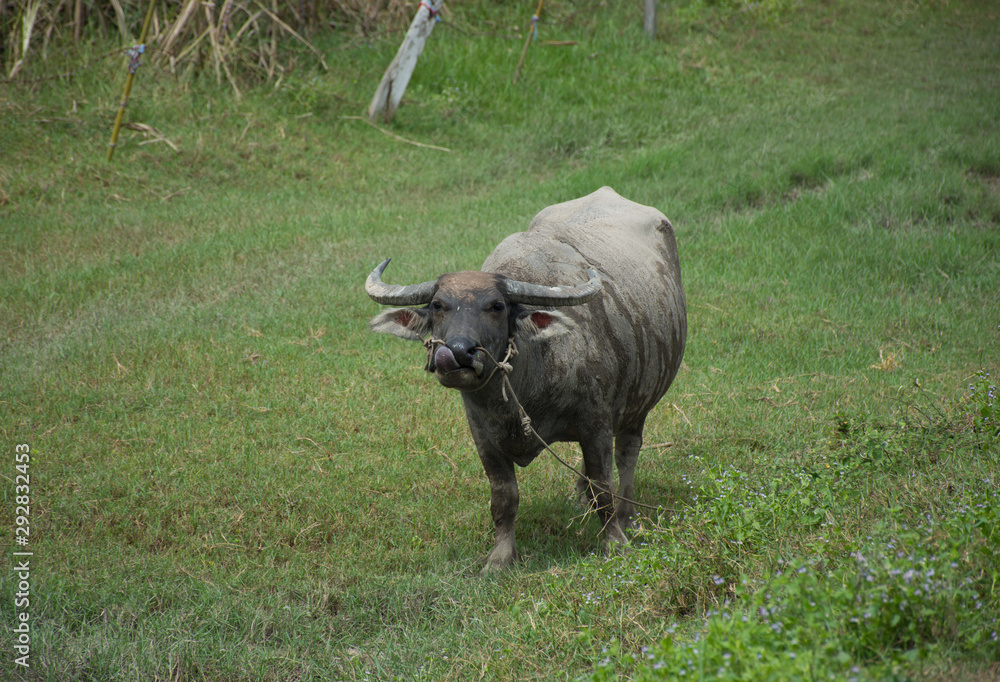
(887, 607)
(985, 411)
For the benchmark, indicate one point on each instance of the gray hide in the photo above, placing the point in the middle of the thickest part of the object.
(588, 373)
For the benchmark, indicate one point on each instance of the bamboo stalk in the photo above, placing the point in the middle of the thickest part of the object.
(531, 32)
(77, 21)
(274, 40)
(217, 57)
(128, 83)
(227, 7)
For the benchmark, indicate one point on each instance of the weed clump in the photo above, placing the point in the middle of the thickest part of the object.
(856, 589)
(888, 605)
(985, 411)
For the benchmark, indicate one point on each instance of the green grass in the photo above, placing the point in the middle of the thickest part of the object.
(232, 479)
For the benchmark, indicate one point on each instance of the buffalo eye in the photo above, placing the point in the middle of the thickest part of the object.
(436, 305)
(498, 307)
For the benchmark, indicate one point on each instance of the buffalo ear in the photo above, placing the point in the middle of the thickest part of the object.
(543, 324)
(406, 323)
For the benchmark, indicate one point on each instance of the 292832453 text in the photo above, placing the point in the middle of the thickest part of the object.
(22, 556)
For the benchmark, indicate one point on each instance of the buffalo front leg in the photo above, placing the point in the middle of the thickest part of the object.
(503, 508)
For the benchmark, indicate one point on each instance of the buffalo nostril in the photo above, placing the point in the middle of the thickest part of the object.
(462, 349)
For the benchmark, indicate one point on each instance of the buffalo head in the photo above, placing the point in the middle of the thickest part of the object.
(468, 312)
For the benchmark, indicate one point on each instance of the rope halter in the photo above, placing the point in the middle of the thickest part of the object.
(504, 366)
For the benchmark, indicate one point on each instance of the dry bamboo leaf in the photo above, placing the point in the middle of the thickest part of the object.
(246, 25)
(123, 31)
(161, 139)
(174, 194)
(219, 57)
(175, 31)
(292, 31)
(888, 361)
(394, 135)
(191, 47)
(28, 18)
(156, 135)
(143, 128)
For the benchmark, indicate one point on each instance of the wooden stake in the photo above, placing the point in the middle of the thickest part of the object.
(649, 18)
(527, 41)
(397, 76)
(128, 82)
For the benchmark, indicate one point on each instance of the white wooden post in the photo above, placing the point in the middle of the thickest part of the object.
(397, 76)
(649, 18)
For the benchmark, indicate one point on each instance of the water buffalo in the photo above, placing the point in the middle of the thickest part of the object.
(591, 297)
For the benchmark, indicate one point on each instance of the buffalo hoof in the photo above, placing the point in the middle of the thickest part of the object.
(502, 556)
(615, 541)
(626, 521)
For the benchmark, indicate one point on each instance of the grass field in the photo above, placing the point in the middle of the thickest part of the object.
(230, 478)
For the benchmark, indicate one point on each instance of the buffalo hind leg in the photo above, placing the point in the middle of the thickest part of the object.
(583, 491)
(597, 458)
(504, 500)
(627, 446)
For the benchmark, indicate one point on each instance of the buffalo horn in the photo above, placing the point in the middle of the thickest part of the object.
(536, 294)
(395, 294)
